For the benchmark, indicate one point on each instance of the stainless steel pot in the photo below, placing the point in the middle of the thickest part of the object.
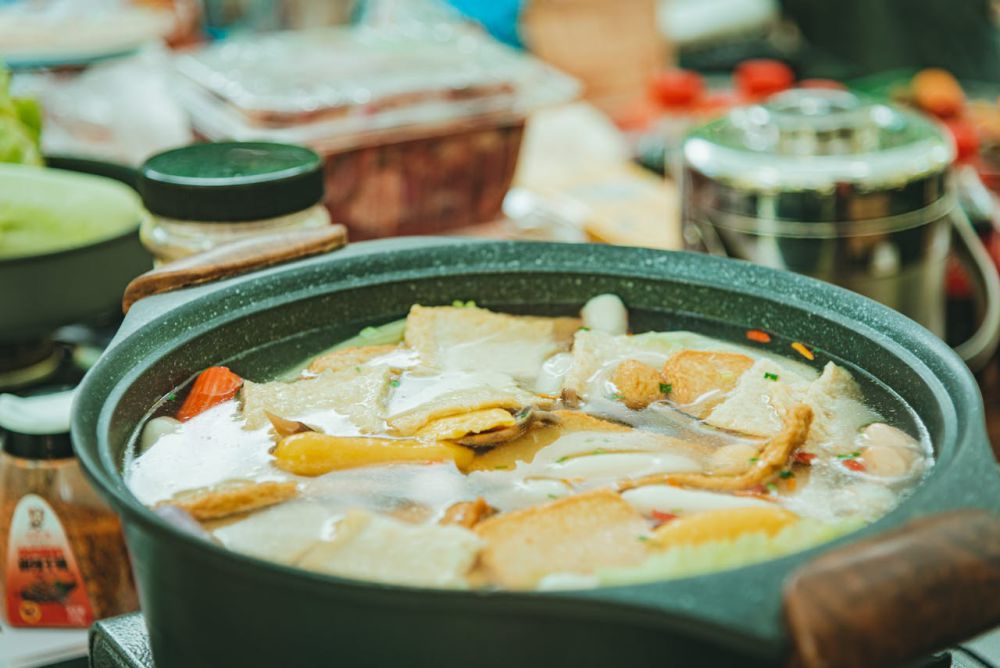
(826, 184)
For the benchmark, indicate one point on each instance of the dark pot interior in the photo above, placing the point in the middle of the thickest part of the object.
(207, 606)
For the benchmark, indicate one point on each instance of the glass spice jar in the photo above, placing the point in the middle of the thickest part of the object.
(64, 558)
(204, 195)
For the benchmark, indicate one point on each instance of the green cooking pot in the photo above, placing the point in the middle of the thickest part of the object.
(893, 590)
(69, 280)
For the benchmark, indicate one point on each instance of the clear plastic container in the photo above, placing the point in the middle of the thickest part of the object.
(419, 126)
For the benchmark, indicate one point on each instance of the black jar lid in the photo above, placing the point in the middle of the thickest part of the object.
(231, 181)
(37, 426)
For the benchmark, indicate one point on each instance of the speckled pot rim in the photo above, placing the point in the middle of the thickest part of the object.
(699, 606)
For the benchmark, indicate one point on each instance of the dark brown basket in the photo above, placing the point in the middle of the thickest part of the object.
(437, 180)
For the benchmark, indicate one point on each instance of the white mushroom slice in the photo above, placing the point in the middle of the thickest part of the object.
(617, 466)
(670, 499)
(605, 313)
(155, 429)
(550, 378)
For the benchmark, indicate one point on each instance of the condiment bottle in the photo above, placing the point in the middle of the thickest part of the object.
(204, 195)
(63, 555)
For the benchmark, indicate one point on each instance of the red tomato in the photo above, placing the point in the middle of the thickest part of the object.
(804, 457)
(662, 517)
(966, 140)
(761, 78)
(854, 465)
(677, 88)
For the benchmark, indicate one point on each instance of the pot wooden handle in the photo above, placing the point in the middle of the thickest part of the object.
(238, 257)
(899, 595)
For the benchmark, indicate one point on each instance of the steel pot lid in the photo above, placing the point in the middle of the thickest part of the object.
(818, 140)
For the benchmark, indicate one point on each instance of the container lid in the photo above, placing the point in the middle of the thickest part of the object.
(816, 139)
(231, 181)
(37, 427)
(336, 86)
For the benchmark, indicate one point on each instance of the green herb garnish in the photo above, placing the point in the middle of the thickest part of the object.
(584, 329)
(849, 455)
(617, 396)
(553, 496)
(394, 382)
(666, 388)
(643, 539)
(771, 487)
(770, 376)
(754, 459)
(562, 459)
(786, 474)
(171, 396)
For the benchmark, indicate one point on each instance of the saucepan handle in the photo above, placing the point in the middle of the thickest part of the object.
(978, 350)
(232, 259)
(899, 595)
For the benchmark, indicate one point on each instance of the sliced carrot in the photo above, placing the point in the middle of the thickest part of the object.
(804, 457)
(758, 336)
(212, 386)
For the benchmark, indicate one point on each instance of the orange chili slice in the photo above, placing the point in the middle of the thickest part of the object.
(212, 386)
(758, 336)
(802, 350)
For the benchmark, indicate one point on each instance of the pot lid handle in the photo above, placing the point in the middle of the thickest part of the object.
(232, 259)
(898, 595)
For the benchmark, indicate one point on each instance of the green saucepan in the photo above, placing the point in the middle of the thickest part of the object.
(891, 591)
(69, 244)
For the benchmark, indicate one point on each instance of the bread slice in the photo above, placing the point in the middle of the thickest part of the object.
(231, 498)
(577, 534)
(347, 358)
(693, 374)
(372, 547)
(475, 339)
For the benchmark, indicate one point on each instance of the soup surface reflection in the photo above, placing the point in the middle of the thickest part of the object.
(466, 448)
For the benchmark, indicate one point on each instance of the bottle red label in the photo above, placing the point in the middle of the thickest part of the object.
(44, 586)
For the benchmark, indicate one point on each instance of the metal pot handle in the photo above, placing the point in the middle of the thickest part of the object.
(898, 595)
(232, 259)
(979, 349)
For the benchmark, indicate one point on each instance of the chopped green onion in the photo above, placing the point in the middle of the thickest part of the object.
(643, 538)
(770, 376)
(772, 487)
(754, 459)
(666, 388)
(584, 329)
(553, 496)
(786, 474)
(171, 396)
(562, 459)
(394, 382)
(617, 396)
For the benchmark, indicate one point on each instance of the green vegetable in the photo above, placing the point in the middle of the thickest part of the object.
(20, 126)
(771, 376)
(687, 560)
(666, 388)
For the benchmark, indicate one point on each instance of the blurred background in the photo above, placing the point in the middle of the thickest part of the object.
(672, 124)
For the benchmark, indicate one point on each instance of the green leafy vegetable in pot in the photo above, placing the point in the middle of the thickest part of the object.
(20, 126)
